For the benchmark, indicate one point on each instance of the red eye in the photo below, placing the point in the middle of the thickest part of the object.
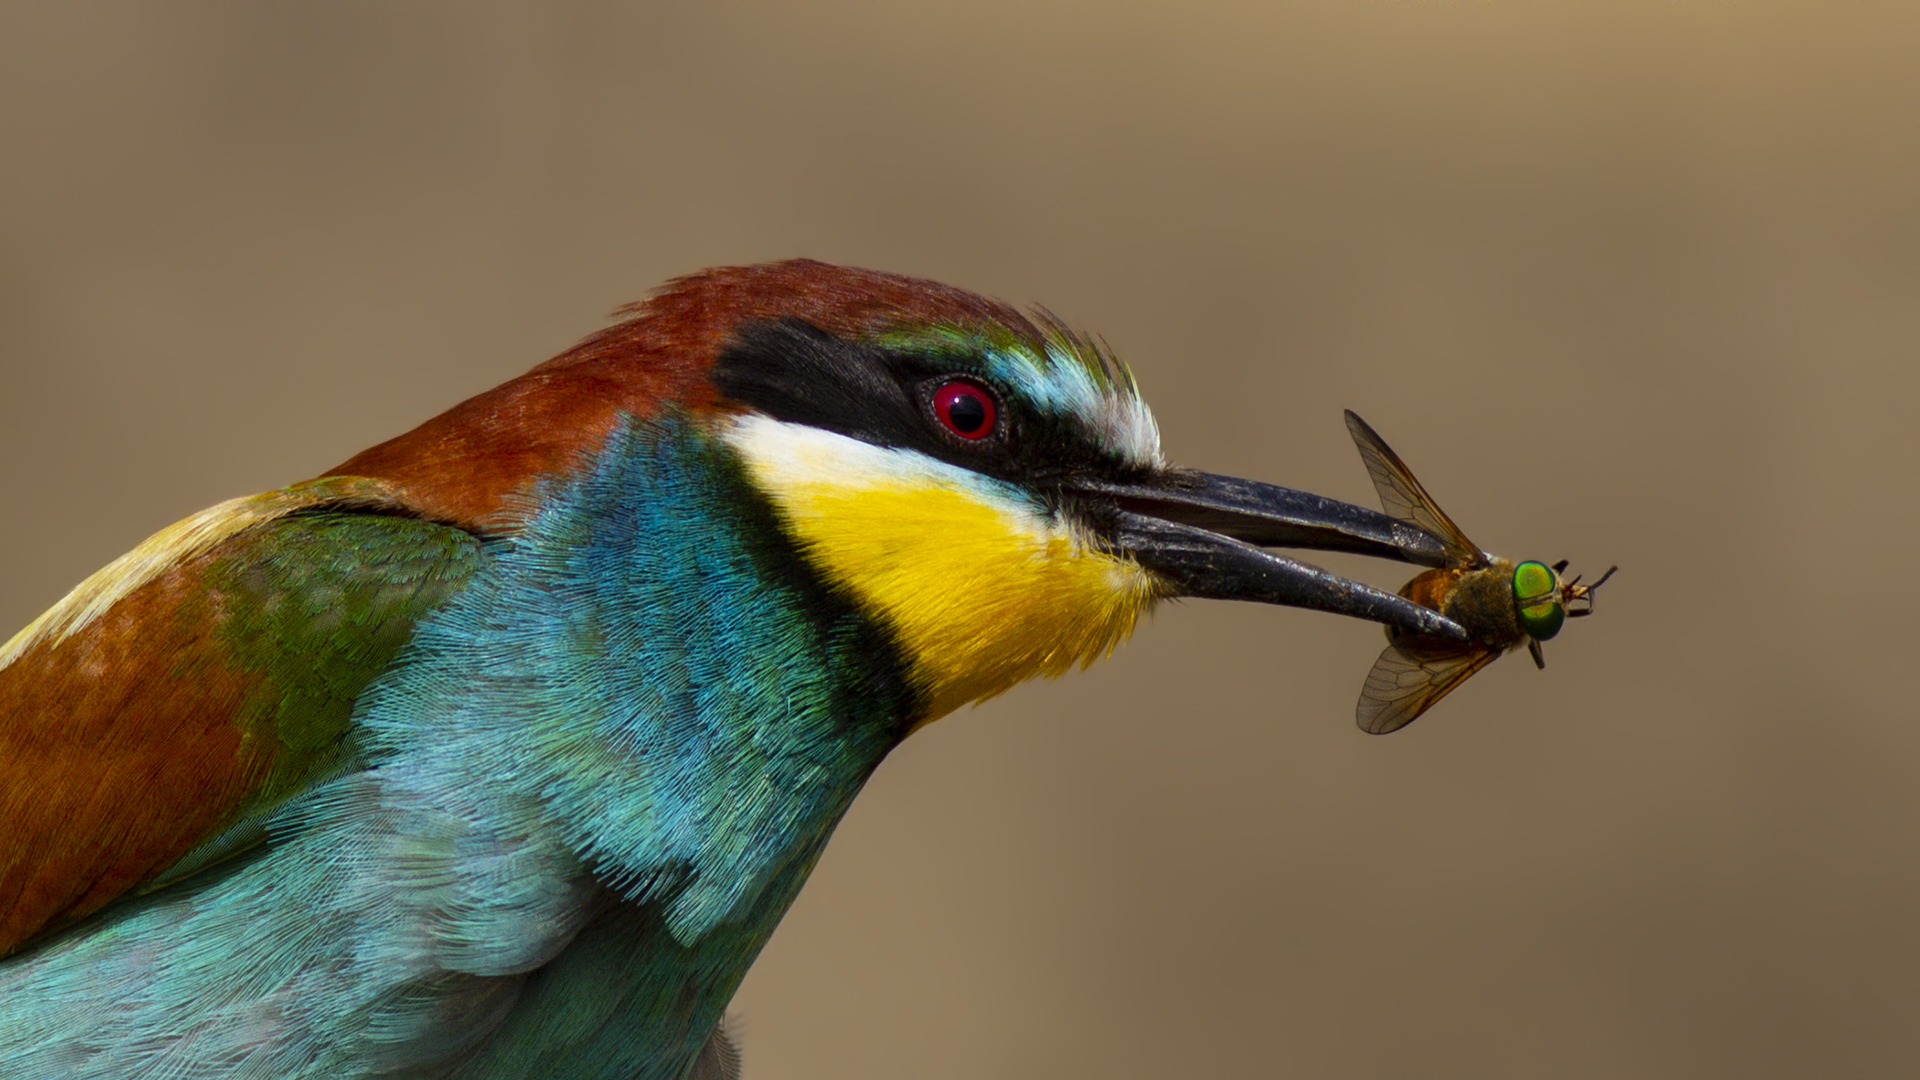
(965, 408)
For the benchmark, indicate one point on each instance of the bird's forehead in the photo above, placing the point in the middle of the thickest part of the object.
(1062, 374)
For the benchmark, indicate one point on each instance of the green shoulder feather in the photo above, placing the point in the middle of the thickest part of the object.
(149, 720)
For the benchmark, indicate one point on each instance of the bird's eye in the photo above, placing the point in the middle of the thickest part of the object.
(966, 408)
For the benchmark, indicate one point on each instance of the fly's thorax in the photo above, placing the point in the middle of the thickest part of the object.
(1438, 589)
(1482, 603)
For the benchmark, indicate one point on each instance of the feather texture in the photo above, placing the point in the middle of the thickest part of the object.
(174, 707)
(588, 786)
(501, 750)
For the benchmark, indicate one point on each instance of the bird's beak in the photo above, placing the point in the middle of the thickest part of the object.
(1203, 535)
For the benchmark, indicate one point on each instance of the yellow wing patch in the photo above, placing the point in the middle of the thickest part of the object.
(982, 589)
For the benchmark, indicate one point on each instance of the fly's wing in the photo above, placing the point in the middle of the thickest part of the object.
(198, 682)
(1409, 677)
(1401, 496)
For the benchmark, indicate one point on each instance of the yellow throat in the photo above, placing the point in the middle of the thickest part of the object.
(981, 588)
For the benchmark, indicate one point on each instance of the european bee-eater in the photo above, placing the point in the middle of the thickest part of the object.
(500, 749)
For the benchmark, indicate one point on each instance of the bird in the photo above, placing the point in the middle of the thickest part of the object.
(499, 749)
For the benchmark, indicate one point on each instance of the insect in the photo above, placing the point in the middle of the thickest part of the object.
(1501, 604)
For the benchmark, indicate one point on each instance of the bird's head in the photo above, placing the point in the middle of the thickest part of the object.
(988, 485)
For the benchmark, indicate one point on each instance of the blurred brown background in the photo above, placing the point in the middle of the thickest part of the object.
(1627, 283)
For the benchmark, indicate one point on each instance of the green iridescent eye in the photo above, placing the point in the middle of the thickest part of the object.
(1536, 594)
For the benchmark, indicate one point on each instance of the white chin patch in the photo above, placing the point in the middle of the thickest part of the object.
(792, 461)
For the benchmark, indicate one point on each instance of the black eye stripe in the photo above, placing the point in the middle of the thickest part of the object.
(796, 372)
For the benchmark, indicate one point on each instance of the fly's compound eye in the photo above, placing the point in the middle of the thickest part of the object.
(966, 408)
(1536, 596)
